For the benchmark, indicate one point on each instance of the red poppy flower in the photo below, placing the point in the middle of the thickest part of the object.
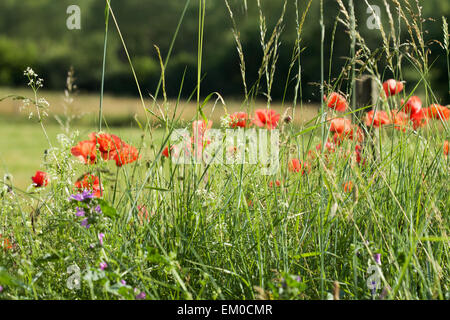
(199, 127)
(90, 182)
(143, 214)
(336, 101)
(4, 243)
(412, 106)
(446, 147)
(125, 154)
(85, 151)
(341, 125)
(108, 144)
(358, 154)
(295, 166)
(354, 133)
(174, 151)
(328, 145)
(165, 152)
(238, 119)
(40, 179)
(378, 118)
(306, 166)
(277, 183)
(359, 134)
(266, 118)
(311, 155)
(348, 186)
(420, 118)
(392, 87)
(436, 111)
(338, 138)
(400, 120)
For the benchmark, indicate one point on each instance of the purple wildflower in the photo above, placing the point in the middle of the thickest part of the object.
(76, 197)
(141, 296)
(80, 212)
(1, 288)
(374, 288)
(85, 224)
(98, 209)
(385, 292)
(123, 282)
(100, 238)
(86, 194)
(377, 257)
(283, 283)
(103, 265)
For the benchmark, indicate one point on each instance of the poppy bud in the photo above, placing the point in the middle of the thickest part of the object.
(392, 87)
(287, 119)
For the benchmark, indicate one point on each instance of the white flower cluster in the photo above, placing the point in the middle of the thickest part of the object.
(284, 204)
(209, 198)
(225, 121)
(43, 103)
(30, 73)
(34, 80)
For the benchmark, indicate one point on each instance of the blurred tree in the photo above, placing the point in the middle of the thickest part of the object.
(33, 32)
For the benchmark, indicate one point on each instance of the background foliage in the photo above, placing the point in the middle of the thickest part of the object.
(34, 33)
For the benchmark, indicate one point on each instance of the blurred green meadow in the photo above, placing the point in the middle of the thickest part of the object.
(22, 148)
(23, 145)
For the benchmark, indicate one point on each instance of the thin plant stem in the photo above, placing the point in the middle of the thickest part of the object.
(102, 87)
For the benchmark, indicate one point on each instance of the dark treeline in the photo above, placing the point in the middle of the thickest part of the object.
(34, 33)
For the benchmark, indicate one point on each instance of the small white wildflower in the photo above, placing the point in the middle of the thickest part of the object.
(201, 192)
(7, 177)
(225, 121)
(43, 103)
(39, 83)
(25, 104)
(283, 204)
(29, 72)
(63, 140)
(4, 190)
(333, 210)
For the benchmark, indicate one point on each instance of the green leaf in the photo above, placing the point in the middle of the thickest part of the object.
(154, 256)
(48, 258)
(7, 279)
(158, 189)
(306, 255)
(107, 210)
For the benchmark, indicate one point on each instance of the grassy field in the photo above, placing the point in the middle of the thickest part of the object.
(22, 153)
(220, 232)
(122, 110)
(353, 208)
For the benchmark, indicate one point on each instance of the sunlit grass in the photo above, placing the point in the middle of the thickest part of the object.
(228, 231)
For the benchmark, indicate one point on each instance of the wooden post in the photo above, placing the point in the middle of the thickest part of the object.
(367, 95)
